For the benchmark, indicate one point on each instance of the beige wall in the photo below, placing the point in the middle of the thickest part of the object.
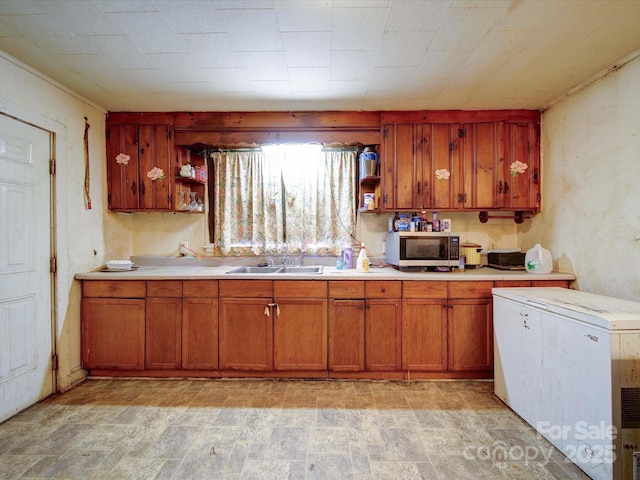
(591, 173)
(84, 238)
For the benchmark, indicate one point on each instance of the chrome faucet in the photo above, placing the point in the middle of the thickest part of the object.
(302, 259)
(284, 260)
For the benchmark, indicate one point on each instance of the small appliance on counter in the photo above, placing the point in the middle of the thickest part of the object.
(411, 250)
(472, 253)
(506, 260)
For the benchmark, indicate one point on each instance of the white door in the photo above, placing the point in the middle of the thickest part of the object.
(26, 373)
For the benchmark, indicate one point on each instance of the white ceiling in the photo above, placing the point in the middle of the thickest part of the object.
(287, 55)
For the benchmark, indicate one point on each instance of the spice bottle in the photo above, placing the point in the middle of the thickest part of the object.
(435, 222)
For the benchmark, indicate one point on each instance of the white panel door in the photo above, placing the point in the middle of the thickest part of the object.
(26, 374)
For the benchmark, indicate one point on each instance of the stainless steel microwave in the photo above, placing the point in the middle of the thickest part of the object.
(423, 249)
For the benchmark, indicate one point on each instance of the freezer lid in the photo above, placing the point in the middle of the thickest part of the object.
(607, 312)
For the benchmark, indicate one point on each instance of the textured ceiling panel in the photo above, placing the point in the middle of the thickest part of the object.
(281, 55)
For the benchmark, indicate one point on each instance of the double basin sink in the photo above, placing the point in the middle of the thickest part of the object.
(311, 270)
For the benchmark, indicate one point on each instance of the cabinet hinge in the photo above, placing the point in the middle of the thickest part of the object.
(108, 133)
(462, 133)
(54, 362)
(52, 166)
(53, 264)
(385, 133)
(168, 133)
(170, 200)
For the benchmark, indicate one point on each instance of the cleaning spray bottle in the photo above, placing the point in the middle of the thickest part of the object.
(362, 264)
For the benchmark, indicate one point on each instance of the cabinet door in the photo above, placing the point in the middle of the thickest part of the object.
(470, 334)
(522, 191)
(398, 174)
(163, 333)
(113, 333)
(486, 141)
(440, 150)
(155, 145)
(200, 333)
(300, 334)
(346, 335)
(122, 179)
(424, 334)
(148, 146)
(383, 325)
(246, 334)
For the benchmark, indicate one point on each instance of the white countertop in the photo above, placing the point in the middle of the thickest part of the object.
(204, 272)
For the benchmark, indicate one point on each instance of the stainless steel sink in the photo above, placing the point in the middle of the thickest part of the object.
(310, 269)
(316, 269)
(255, 270)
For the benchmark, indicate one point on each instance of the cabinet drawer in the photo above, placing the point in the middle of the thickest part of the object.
(424, 289)
(346, 289)
(382, 289)
(512, 283)
(246, 288)
(299, 289)
(114, 288)
(550, 283)
(164, 288)
(470, 289)
(200, 288)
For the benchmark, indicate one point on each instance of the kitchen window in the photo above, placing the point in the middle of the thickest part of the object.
(283, 199)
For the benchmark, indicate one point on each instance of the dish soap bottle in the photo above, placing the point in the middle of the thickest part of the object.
(538, 260)
(362, 264)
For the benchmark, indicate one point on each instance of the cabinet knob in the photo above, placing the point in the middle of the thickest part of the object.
(383, 289)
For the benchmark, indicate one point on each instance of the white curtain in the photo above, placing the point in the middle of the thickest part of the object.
(296, 200)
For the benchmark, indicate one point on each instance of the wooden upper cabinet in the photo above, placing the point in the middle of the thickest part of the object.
(412, 154)
(484, 143)
(147, 146)
(522, 191)
(472, 154)
(397, 166)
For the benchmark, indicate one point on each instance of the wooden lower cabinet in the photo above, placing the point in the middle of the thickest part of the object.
(424, 334)
(300, 325)
(200, 325)
(163, 325)
(200, 334)
(246, 325)
(344, 328)
(470, 326)
(383, 325)
(246, 334)
(113, 320)
(163, 334)
(470, 332)
(346, 335)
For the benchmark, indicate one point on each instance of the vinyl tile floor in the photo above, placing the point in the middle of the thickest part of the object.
(276, 429)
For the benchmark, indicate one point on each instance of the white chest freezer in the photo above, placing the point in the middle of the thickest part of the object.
(568, 363)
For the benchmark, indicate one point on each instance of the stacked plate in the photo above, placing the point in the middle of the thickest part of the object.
(119, 265)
